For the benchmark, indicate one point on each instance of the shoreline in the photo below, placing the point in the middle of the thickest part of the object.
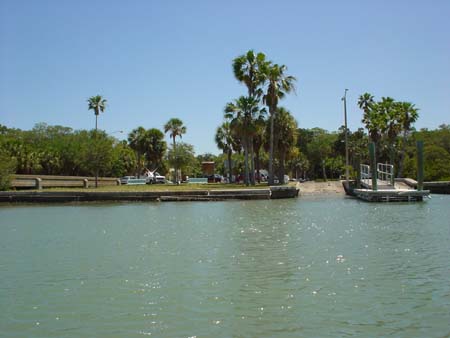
(305, 189)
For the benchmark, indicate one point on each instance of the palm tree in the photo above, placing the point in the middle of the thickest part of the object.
(251, 69)
(176, 128)
(155, 147)
(365, 102)
(373, 118)
(408, 116)
(258, 141)
(242, 114)
(224, 141)
(279, 85)
(136, 139)
(285, 127)
(97, 104)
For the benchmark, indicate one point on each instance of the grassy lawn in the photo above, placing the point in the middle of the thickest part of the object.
(161, 187)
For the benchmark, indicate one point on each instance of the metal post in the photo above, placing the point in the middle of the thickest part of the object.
(419, 165)
(346, 136)
(373, 165)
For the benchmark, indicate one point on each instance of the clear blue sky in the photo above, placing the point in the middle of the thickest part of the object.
(154, 60)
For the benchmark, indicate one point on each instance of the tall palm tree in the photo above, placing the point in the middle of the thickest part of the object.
(373, 119)
(97, 104)
(242, 114)
(224, 141)
(251, 69)
(408, 116)
(176, 128)
(391, 126)
(279, 85)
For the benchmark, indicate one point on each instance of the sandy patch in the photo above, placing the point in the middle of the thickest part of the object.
(330, 187)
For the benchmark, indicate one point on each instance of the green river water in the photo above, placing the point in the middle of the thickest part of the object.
(306, 267)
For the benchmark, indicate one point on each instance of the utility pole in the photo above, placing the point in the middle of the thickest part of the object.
(346, 135)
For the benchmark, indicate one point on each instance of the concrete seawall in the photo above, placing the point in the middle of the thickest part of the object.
(437, 187)
(185, 195)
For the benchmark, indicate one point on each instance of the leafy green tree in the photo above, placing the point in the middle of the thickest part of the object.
(123, 160)
(7, 168)
(279, 85)
(320, 148)
(183, 158)
(96, 155)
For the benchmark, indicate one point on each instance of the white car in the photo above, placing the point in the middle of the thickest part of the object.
(124, 180)
(154, 177)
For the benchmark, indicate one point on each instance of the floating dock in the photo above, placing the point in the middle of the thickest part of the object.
(376, 183)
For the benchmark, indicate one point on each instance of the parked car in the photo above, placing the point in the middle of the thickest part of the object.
(216, 178)
(124, 180)
(155, 178)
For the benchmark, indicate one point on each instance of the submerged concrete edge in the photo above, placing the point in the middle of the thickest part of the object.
(186, 195)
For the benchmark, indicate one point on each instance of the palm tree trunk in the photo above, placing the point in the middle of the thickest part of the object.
(271, 150)
(282, 169)
(258, 166)
(252, 162)
(96, 154)
(230, 176)
(246, 161)
(324, 172)
(402, 156)
(175, 175)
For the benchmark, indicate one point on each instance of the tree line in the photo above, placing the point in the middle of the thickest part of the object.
(256, 133)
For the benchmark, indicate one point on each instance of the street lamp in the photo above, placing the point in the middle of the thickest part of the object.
(346, 135)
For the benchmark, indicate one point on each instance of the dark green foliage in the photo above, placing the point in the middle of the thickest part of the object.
(7, 167)
(183, 158)
(57, 150)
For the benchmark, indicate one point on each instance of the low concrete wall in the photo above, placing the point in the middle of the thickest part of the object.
(437, 187)
(52, 181)
(283, 192)
(185, 195)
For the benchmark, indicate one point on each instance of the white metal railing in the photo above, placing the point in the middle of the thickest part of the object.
(385, 172)
(365, 173)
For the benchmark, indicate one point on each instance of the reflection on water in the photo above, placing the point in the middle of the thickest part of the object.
(314, 267)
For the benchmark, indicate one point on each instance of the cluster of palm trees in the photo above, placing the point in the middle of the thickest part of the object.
(246, 117)
(387, 119)
(148, 144)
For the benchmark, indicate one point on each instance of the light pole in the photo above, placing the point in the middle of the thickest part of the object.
(346, 135)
